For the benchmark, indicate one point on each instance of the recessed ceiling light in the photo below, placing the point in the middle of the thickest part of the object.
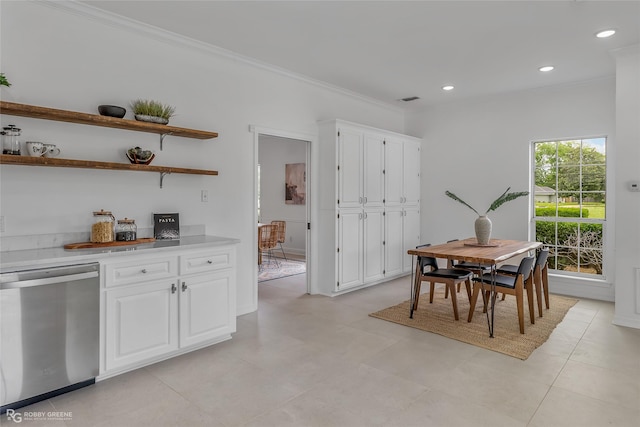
(605, 33)
(546, 68)
(447, 87)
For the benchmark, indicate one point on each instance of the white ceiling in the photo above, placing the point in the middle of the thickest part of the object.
(389, 50)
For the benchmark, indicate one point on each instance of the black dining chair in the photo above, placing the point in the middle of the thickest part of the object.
(540, 277)
(428, 270)
(508, 284)
(477, 269)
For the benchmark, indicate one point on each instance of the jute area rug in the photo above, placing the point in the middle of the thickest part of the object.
(438, 318)
(271, 269)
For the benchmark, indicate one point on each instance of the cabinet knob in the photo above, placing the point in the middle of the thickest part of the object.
(184, 286)
(173, 288)
(209, 261)
(144, 271)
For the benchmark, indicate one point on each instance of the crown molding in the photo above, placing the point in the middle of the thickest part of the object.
(140, 28)
(626, 51)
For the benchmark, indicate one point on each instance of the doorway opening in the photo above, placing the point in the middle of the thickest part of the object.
(282, 199)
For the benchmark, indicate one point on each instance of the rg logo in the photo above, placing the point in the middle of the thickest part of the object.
(14, 416)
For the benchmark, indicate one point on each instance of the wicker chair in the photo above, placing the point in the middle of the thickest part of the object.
(268, 240)
(282, 231)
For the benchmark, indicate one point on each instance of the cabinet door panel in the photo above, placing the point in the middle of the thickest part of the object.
(411, 233)
(393, 172)
(205, 307)
(350, 161)
(373, 245)
(141, 322)
(393, 238)
(411, 173)
(350, 259)
(373, 167)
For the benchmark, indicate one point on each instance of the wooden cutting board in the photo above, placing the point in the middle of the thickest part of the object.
(90, 245)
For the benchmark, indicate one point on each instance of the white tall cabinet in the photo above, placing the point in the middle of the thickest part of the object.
(369, 205)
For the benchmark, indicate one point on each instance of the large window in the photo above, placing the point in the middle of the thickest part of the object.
(570, 203)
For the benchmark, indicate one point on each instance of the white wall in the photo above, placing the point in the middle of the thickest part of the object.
(628, 203)
(274, 153)
(478, 148)
(67, 56)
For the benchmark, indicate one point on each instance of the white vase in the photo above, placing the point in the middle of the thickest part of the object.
(483, 229)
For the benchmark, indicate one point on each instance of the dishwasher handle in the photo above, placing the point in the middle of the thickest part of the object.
(47, 280)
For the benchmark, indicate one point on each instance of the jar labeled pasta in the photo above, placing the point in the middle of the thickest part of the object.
(102, 228)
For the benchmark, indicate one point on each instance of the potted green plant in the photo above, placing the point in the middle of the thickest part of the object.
(152, 111)
(483, 223)
(4, 81)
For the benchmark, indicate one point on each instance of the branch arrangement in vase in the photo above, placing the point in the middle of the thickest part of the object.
(483, 223)
(505, 197)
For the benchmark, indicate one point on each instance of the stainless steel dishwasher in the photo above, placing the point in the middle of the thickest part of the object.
(49, 335)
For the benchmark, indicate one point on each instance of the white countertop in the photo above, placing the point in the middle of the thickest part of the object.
(36, 258)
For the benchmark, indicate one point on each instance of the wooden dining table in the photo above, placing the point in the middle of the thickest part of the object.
(490, 255)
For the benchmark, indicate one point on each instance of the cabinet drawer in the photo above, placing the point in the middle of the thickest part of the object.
(212, 260)
(140, 271)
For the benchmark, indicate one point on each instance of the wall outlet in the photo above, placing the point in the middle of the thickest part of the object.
(1, 223)
(204, 196)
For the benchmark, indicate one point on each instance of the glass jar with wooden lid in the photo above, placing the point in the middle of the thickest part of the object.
(126, 230)
(102, 228)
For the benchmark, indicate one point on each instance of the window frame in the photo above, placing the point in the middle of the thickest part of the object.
(607, 259)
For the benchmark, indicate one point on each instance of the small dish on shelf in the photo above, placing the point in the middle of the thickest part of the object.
(139, 156)
(112, 111)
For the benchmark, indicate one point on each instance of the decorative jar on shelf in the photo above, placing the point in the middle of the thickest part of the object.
(11, 140)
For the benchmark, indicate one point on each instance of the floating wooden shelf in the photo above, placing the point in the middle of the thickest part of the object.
(8, 159)
(23, 110)
(32, 111)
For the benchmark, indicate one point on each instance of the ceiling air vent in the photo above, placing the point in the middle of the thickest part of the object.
(410, 98)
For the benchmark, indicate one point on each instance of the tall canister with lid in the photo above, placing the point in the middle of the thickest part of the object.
(11, 140)
(102, 228)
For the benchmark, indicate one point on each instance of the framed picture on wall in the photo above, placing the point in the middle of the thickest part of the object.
(295, 183)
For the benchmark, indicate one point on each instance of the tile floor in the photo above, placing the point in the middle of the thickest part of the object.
(314, 361)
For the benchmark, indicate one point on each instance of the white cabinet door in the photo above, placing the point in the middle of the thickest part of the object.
(141, 322)
(373, 245)
(393, 241)
(411, 234)
(393, 178)
(350, 172)
(350, 241)
(373, 170)
(411, 173)
(205, 307)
